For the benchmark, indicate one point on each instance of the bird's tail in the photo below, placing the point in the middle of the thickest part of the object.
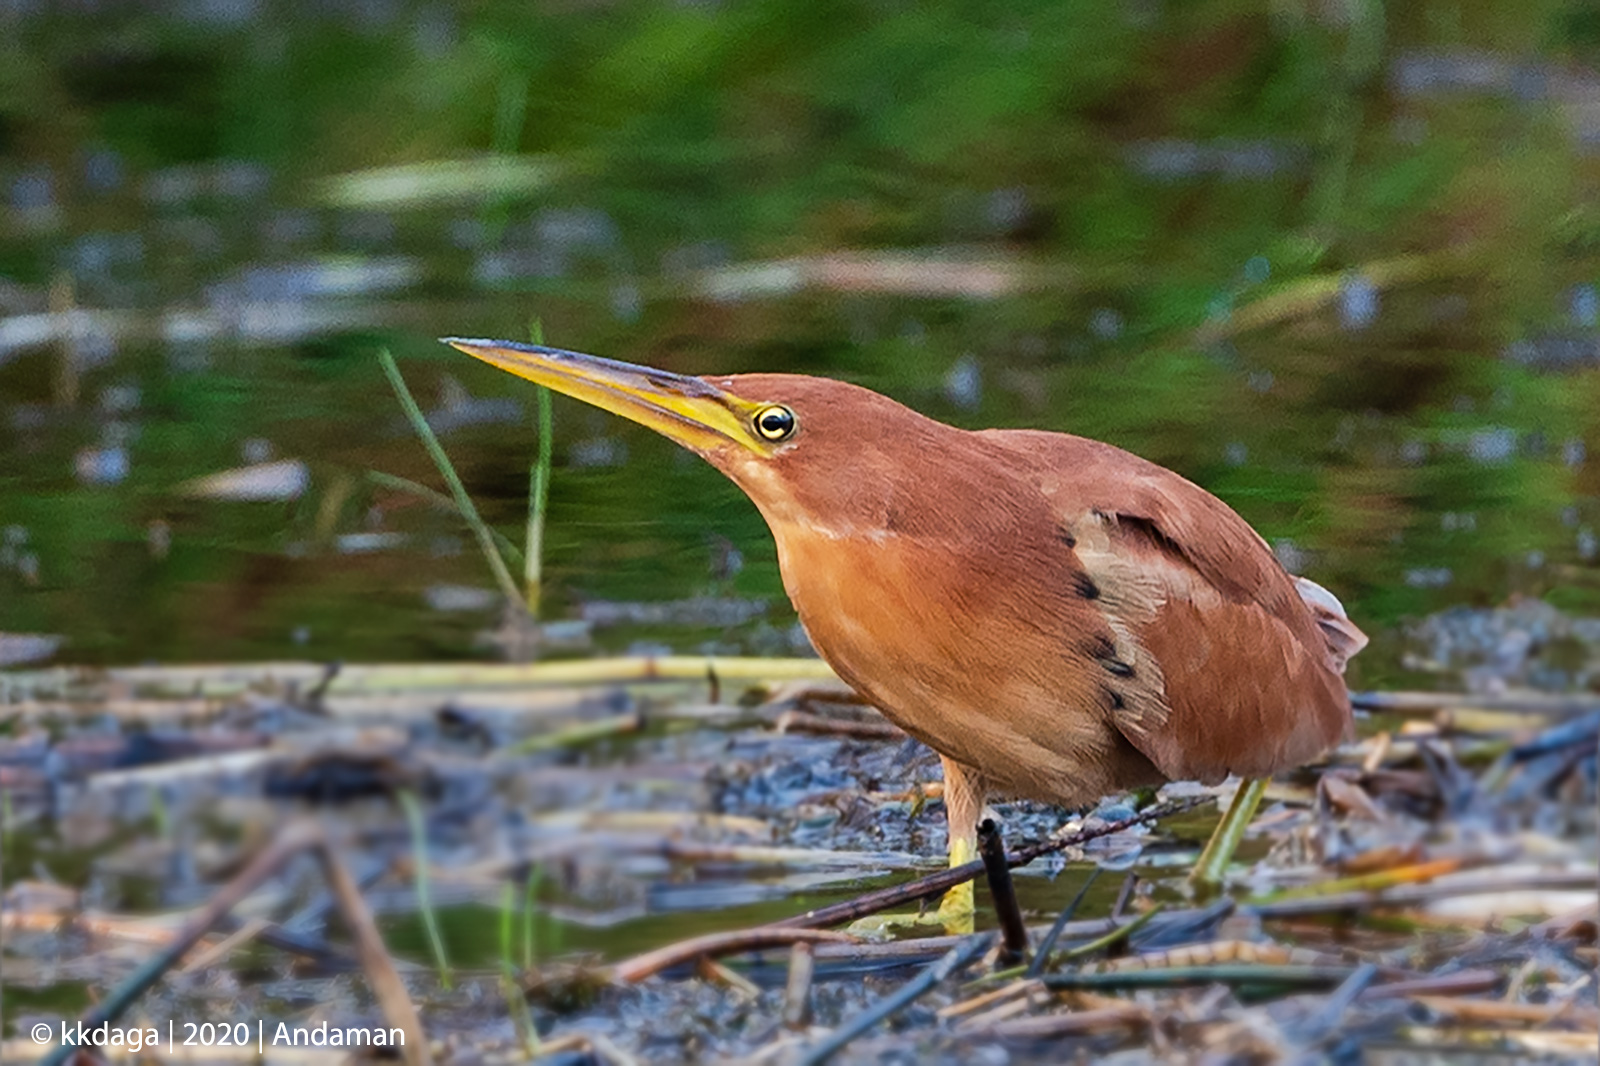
(1344, 637)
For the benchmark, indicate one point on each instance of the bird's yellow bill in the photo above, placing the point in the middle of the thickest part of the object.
(688, 410)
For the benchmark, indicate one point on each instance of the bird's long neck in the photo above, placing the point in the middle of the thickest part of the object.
(871, 494)
(850, 544)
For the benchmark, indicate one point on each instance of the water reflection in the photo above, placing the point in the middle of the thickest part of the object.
(1354, 302)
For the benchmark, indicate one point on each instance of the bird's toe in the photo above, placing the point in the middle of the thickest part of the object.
(958, 906)
(887, 926)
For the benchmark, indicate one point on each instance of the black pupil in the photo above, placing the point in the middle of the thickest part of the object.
(775, 422)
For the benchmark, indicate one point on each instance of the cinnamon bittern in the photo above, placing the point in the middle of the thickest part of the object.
(1057, 618)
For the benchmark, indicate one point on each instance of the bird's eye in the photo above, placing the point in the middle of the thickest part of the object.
(774, 422)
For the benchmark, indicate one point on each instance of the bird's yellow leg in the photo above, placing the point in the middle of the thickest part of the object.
(959, 905)
(963, 804)
(1212, 866)
(957, 909)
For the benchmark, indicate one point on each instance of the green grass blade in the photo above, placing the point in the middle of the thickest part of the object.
(419, 850)
(530, 896)
(447, 470)
(159, 814)
(511, 108)
(538, 493)
(516, 1002)
(511, 553)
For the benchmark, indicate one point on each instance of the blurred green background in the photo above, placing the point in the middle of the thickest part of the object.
(1336, 261)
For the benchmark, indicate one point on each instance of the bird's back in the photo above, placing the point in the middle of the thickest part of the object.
(1232, 664)
(1063, 616)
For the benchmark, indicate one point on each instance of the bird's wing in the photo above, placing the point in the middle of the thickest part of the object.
(1223, 662)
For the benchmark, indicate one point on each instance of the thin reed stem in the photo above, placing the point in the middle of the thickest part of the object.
(447, 470)
(538, 492)
(419, 857)
(530, 898)
(516, 1003)
(512, 554)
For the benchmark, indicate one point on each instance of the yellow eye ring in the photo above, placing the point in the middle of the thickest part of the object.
(774, 422)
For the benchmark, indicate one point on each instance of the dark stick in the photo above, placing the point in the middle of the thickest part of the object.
(1181, 927)
(953, 960)
(1124, 895)
(934, 884)
(291, 841)
(326, 956)
(1014, 932)
(1048, 944)
(1460, 983)
(1339, 1000)
(1581, 732)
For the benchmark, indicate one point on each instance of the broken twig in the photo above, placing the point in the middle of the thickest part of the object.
(1014, 933)
(934, 884)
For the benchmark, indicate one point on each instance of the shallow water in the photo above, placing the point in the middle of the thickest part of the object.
(1365, 316)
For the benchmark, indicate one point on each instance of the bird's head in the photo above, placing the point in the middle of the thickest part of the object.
(803, 448)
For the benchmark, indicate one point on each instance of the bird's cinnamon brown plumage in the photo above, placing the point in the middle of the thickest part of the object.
(1057, 618)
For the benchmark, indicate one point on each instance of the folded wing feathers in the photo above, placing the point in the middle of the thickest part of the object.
(1344, 638)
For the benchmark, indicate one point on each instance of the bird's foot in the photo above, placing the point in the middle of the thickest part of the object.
(956, 913)
(955, 916)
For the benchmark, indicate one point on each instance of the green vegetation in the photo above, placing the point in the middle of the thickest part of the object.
(458, 491)
(1287, 253)
(538, 492)
(419, 858)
